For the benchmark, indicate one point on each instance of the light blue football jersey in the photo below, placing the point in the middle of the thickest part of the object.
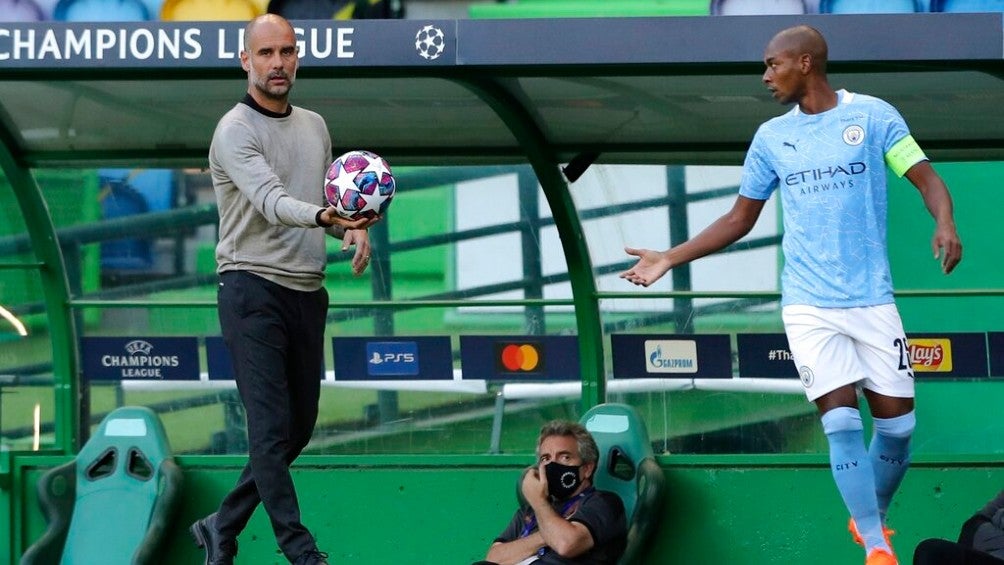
(831, 170)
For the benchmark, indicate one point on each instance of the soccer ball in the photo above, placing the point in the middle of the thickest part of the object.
(359, 184)
(430, 42)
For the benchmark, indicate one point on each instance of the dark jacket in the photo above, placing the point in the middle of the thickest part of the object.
(984, 531)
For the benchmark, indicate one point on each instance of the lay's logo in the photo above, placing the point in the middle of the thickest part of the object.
(931, 355)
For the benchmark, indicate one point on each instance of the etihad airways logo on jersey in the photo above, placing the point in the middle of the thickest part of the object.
(825, 179)
(828, 173)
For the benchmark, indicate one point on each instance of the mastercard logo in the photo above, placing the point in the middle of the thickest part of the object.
(520, 357)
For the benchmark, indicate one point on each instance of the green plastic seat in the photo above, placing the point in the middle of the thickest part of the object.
(114, 502)
(627, 466)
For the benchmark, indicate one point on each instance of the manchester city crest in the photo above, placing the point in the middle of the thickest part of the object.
(805, 374)
(854, 135)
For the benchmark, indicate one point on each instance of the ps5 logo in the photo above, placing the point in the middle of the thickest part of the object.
(377, 358)
(392, 358)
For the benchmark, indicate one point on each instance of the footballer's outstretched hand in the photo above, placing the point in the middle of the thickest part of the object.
(650, 267)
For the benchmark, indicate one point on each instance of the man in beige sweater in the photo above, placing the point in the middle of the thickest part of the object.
(267, 161)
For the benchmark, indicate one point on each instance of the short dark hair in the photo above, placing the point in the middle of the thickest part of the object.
(588, 451)
(805, 39)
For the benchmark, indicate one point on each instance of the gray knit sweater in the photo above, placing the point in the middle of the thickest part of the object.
(268, 174)
(989, 536)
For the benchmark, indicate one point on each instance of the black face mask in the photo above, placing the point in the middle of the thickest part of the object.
(562, 480)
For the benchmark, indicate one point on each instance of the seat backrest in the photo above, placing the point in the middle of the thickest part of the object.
(870, 6)
(118, 200)
(119, 474)
(20, 11)
(100, 11)
(967, 5)
(628, 468)
(756, 7)
(205, 10)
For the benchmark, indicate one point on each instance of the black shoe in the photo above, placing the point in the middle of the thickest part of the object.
(218, 550)
(312, 557)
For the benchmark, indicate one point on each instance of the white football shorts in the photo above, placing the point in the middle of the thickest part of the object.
(834, 347)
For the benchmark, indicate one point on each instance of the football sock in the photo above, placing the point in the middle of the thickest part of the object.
(890, 455)
(852, 472)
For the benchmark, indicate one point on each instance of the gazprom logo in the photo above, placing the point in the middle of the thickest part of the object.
(391, 358)
(670, 356)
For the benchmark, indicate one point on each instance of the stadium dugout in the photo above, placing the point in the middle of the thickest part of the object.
(561, 96)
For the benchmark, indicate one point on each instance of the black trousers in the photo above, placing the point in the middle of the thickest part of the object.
(275, 336)
(933, 551)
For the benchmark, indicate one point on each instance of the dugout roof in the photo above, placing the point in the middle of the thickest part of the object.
(632, 90)
(639, 90)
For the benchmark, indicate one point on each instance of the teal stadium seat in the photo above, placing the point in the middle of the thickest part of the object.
(100, 11)
(20, 11)
(871, 6)
(114, 502)
(967, 5)
(627, 467)
(756, 7)
(153, 8)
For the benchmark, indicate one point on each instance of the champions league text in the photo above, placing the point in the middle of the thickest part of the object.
(140, 366)
(143, 44)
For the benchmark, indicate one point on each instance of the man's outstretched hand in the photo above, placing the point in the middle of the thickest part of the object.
(650, 267)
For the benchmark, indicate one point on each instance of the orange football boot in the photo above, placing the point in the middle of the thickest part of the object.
(887, 533)
(879, 556)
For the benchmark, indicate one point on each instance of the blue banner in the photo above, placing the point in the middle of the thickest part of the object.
(932, 355)
(948, 355)
(670, 356)
(150, 45)
(221, 367)
(528, 358)
(140, 358)
(393, 358)
(995, 341)
(765, 356)
(418, 44)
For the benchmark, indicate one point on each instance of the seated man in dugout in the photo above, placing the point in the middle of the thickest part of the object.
(564, 519)
(981, 541)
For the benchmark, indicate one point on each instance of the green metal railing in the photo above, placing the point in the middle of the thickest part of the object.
(55, 290)
(187, 219)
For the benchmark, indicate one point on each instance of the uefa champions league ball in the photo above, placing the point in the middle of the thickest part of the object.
(359, 184)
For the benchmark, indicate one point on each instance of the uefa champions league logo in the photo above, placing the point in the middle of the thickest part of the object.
(430, 42)
(138, 347)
